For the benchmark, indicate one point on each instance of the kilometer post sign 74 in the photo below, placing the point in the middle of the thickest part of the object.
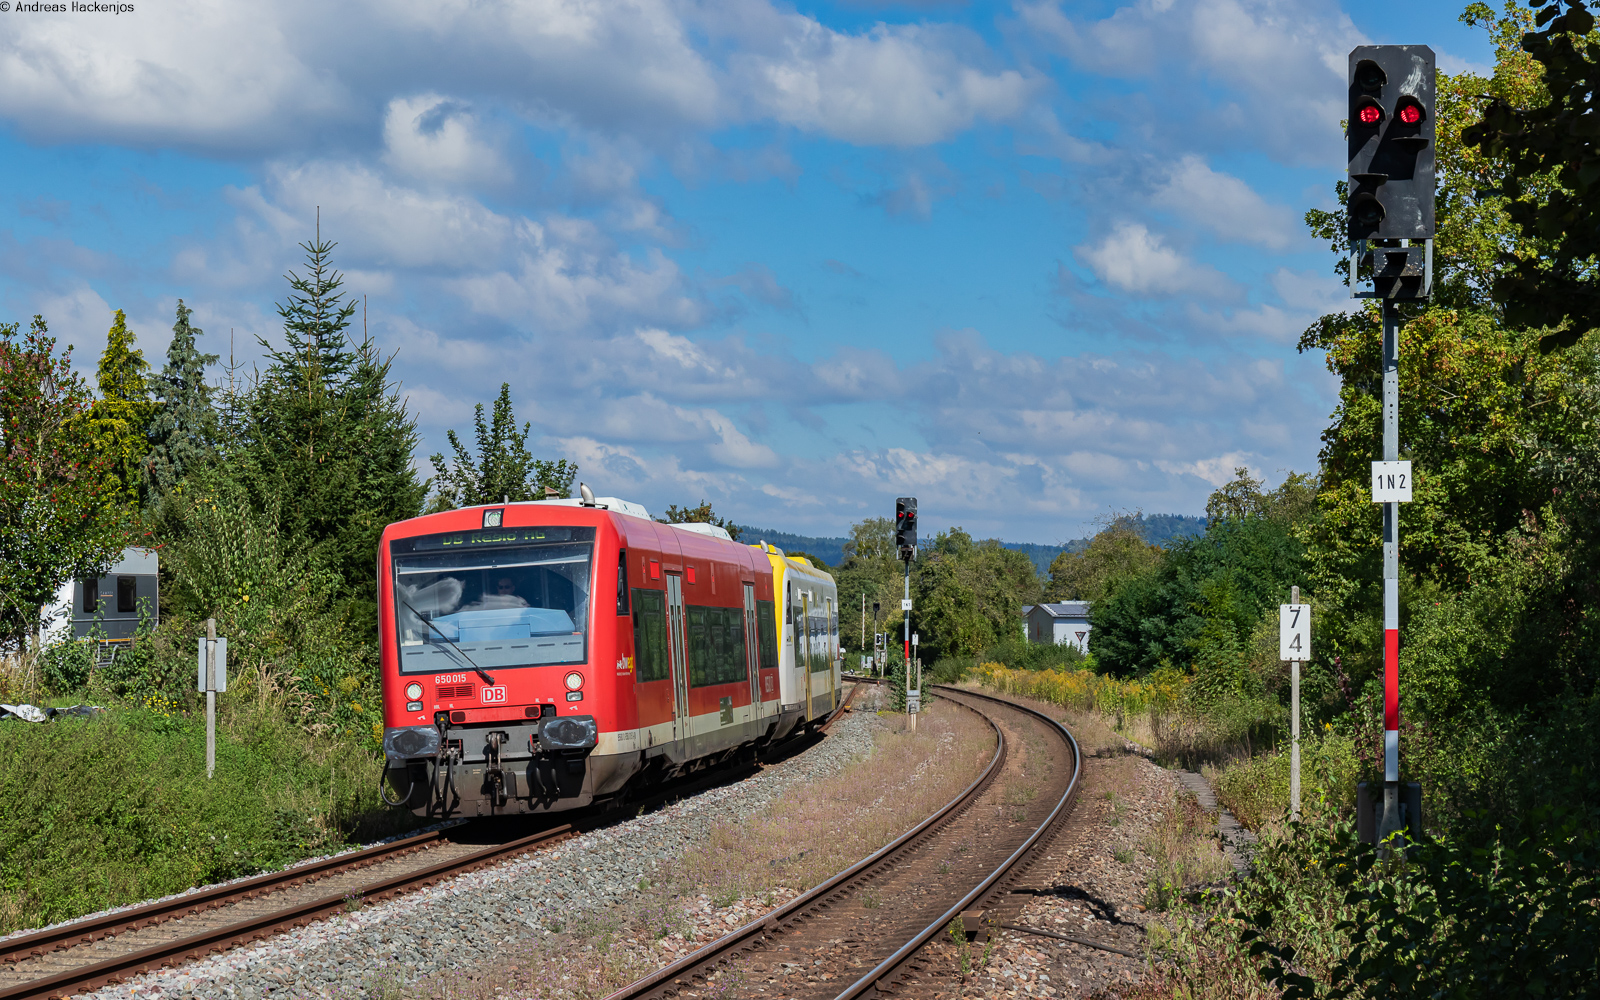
(1294, 632)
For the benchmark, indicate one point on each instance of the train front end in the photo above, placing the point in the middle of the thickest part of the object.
(500, 694)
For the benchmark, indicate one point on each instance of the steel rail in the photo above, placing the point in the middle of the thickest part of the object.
(724, 948)
(114, 970)
(92, 929)
(889, 967)
(843, 707)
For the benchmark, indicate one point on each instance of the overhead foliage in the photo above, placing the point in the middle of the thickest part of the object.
(504, 470)
(1545, 141)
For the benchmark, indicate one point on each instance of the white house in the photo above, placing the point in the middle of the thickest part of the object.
(1065, 623)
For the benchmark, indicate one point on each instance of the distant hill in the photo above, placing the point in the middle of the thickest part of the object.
(829, 550)
(1157, 529)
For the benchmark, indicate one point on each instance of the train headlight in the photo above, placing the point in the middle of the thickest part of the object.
(569, 732)
(574, 681)
(413, 692)
(404, 742)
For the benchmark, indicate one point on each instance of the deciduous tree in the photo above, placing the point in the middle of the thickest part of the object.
(504, 469)
(61, 516)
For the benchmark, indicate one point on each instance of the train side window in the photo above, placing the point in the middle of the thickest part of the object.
(126, 592)
(622, 582)
(91, 596)
(701, 667)
(649, 635)
(767, 634)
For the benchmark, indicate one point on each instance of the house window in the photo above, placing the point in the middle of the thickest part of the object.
(125, 594)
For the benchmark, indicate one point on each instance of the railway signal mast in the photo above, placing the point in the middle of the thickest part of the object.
(1391, 230)
(905, 540)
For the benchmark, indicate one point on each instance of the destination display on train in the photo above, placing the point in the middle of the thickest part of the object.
(496, 538)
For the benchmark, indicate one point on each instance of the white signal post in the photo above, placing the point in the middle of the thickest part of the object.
(213, 677)
(1294, 645)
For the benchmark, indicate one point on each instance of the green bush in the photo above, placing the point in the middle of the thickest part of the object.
(66, 666)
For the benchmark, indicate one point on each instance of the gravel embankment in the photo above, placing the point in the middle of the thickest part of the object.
(454, 926)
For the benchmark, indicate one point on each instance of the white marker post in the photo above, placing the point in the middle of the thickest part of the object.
(914, 693)
(213, 677)
(1294, 645)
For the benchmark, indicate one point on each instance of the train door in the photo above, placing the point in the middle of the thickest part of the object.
(833, 658)
(677, 653)
(803, 648)
(751, 643)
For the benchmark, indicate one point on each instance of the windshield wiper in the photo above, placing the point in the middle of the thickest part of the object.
(458, 650)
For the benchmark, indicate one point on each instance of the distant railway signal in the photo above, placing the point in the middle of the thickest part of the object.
(1390, 136)
(905, 526)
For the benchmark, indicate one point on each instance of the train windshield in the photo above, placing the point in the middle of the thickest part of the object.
(501, 597)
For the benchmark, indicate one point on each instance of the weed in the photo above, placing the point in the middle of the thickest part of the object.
(944, 868)
(1123, 855)
(353, 901)
(870, 900)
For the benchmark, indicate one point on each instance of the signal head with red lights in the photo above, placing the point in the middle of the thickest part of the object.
(905, 526)
(1390, 136)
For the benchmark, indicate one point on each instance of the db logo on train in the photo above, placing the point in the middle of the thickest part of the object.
(494, 695)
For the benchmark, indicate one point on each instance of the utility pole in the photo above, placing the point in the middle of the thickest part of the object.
(1391, 229)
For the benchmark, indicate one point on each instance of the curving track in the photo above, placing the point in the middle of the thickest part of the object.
(87, 954)
(864, 930)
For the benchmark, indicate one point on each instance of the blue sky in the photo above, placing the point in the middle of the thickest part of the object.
(1034, 263)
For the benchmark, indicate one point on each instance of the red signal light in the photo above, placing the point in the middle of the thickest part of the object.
(1371, 114)
(1410, 114)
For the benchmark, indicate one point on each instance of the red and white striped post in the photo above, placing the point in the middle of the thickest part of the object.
(1391, 821)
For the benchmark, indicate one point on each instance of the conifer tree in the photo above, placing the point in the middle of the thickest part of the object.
(504, 469)
(118, 421)
(183, 435)
(326, 436)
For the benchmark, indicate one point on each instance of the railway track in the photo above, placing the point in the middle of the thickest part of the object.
(839, 940)
(97, 951)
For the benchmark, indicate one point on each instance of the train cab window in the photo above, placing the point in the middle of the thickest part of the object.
(127, 589)
(91, 596)
(622, 582)
(499, 597)
(649, 636)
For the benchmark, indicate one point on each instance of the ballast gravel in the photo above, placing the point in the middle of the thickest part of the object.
(457, 924)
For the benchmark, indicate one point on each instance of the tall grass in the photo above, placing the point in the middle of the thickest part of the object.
(1088, 691)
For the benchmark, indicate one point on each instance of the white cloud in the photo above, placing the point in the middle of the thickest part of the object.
(897, 85)
(1133, 259)
(1283, 62)
(565, 279)
(1226, 205)
(433, 138)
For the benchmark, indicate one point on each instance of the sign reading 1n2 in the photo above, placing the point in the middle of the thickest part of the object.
(1391, 482)
(1294, 631)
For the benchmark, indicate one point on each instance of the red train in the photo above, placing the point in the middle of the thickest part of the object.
(541, 656)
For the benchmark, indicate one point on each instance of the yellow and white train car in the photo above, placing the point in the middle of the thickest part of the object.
(808, 640)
